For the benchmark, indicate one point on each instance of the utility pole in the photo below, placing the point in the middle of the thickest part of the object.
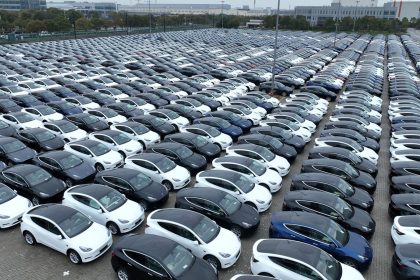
(223, 1)
(275, 47)
(150, 21)
(354, 18)
(336, 22)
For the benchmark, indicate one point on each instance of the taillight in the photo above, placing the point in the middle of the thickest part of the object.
(400, 265)
(254, 260)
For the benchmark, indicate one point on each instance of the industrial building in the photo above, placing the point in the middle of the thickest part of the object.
(17, 5)
(104, 8)
(358, 3)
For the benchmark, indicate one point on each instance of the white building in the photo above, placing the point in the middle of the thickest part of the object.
(359, 3)
(408, 9)
(103, 8)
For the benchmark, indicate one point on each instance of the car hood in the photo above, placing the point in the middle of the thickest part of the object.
(154, 190)
(246, 214)
(361, 218)
(210, 149)
(350, 273)
(94, 237)
(49, 188)
(358, 245)
(53, 144)
(21, 155)
(98, 126)
(367, 166)
(202, 268)
(130, 211)
(195, 160)
(232, 247)
(80, 171)
(14, 207)
(178, 172)
(361, 197)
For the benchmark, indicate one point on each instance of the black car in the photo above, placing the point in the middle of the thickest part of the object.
(100, 98)
(195, 142)
(63, 92)
(126, 110)
(34, 183)
(405, 262)
(153, 99)
(13, 151)
(270, 142)
(306, 114)
(9, 106)
(156, 124)
(405, 184)
(135, 186)
(88, 122)
(46, 96)
(65, 108)
(353, 126)
(184, 111)
(26, 100)
(6, 129)
(149, 256)
(352, 134)
(320, 92)
(409, 167)
(181, 155)
(335, 185)
(341, 169)
(404, 204)
(205, 100)
(278, 88)
(345, 155)
(333, 207)
(66, 166)
(282, 135)
(233, 118)
(40, 139)
(221, 207)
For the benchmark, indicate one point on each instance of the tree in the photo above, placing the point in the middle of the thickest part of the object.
(97, 23)
(35, 26)
(83, 24)
(73, 16)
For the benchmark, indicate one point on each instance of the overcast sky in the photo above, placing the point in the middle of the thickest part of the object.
(284, 4)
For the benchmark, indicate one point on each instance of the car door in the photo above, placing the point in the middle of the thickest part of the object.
(84, 153)
(16, 182)
(145, 268)
(52, 166)
(294, 270)
(121, 185)
(90, 207)
(182, 236)
(208, 208)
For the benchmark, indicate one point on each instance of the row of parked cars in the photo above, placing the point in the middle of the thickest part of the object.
(405, 200)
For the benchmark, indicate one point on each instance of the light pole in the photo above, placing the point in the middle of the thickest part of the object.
(275, 47)
(354, 19)
(150, 21)
(222, 11)
(336, 21)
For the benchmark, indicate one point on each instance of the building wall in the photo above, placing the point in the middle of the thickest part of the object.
(104, 8)
(409, 9)
(360, 3)
(17, 5)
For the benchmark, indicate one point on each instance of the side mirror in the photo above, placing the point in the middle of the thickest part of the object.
(100, 211)
(195, 242)
(58, 237)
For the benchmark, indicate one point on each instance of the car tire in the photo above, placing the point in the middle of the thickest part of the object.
(236, 230)
(122, 154)
(99, 167)
(35, 201)
(69, 183)
(168, 185)
(350, 262)
(122, 273)
(266, 274)
(113, 228)
(266, 186)
(29, 238)
(213, 261)
(74, 257)
(143, 145)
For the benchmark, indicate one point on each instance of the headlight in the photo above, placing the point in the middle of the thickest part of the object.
(107, 162)
(85, 249)
(272, 183)
(365, 228)
(29, 204)
(123, 221)
(176, 180)
(260, 201)
(128, 150)
(4, 217)
(224, 255)
(245, 224)
(151, 198)
(43, 194)
(363, 258)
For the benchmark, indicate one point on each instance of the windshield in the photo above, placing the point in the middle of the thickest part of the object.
(257, 168)
(90, 119)
(165, 165)
(200, 141)
(213, 132)
(13, 146)
(207, 230)
(109, 113)
(37, 177)
(139, 129)
(338, 233)
(46, 111)
(346, 188)
(355, 158)
(171, 115)
(112, 200)
(75, 224)
(329, 267)
(69, 162)
(276, 143)
(244, 184)
(293, 126)
(140, 181)
(6, 194)
(351, 171)
(129, 107)
(194, 102)
(121, 138)
(230, 204)
(44, 136)
(179, 261)
(84, 100)
(23, 118)
(234, 117)
(68, 127)
(224, 124)
(99, 149)
(266, 154)
(157, 121)
(183, 152)
(344, 209)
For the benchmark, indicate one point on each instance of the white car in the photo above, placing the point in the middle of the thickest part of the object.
(302, 106)
(215, 96)
(262, 154)
(244, 112)
(309, 95)
(295, 118)
(43, 113)
(210, 133)
(83, 102)
(139, 103)
(405, 230)
(374, 101)
(348, 144)
(404, 144)
(105, 206)
(108, 115)
(405, 134)
(173, 118)
(193, 104)
(21, 120)
(95, 153)
(289, 126)
(12, 207)
(249, 105)
(357, 119)
(160, 169)
(304, 261)
(237, 185)
(368, 111)
(66, 130)
(199, 234)
(175, 91)
(138, 132)
(405, 155)
(252, 169)
(274, 101)
(117, 141)
(113, 93)
(67, 231)
(308, 101)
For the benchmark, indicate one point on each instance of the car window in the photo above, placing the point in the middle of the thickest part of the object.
(145, 261)
(52, 127)
(145, 164)
(178, 230)
(117, 182)
(80, 149)
(412, 170)
(223, 184)
(323, 187)
(15, 178)
(414, 206)
(124, 129)
(206, 204)
(49, 161)
(297, 268)
(197, 131)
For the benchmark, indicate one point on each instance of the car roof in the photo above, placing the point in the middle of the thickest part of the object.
(54, 212)
(96, 191)
(125, 173)
(199, 126)
(184, 217)
(23, 169)
(224, 174)
(59, 122)
(324, 161)
(252, 147)
(152, 157)
(212, 194)
(408, 152)
(57, 155)
(235, 159)
(185, 135)
(328, 150)
(317, 196)
(316, 176)
(109, 132)
(168, 145)
(87, 143)
(297, 250)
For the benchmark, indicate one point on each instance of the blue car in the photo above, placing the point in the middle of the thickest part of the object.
(257, 101)
(233, 118)
(322, 232)
(65, 108)
(221, 125)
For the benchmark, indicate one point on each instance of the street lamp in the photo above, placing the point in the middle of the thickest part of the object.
(275, 46)
(354, 19)
(222, 11)
(336, 21)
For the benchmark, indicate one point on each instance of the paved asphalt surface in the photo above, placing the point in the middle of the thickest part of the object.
(21, 261)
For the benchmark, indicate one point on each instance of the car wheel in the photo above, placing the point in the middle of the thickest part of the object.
(35, 200)
(266, 186)
(122, 154)
(350, 263)
(143, 145)
(99, 167)
(29, 238)
(213, 261)
(69, 183)
(236, 230)
(266, 274)
(144, 205)
(328, 99)
(74, 257)
(122, 273)
(168, 185)
(113, 228)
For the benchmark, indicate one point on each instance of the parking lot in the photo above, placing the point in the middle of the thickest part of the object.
(20, 261)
